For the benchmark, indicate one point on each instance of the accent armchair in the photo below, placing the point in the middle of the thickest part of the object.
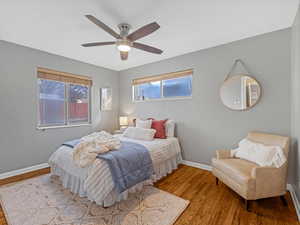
(248, 179)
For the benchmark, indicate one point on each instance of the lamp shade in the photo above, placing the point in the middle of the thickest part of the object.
(123, 121)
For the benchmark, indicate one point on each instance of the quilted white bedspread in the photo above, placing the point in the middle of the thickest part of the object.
(97, 179)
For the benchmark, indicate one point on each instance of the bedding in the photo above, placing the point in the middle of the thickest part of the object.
(170, 128)
(90, 146)
(129, 165)
(139, 133)
(159, 126)
(95, 182)
(72, 143)
(143, 123)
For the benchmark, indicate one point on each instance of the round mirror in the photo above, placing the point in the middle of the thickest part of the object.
(240, 92)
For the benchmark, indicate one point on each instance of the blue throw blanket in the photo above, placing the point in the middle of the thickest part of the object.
(72, 143)
(129, 165)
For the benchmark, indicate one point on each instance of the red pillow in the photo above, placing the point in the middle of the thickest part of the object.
(159, 126)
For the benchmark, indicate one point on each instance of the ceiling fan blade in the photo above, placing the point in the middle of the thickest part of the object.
(103, 26)
(143, 31)
(124, 55)
(98, 44)
(147, 48)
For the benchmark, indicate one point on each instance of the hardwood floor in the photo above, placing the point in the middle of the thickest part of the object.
(218, 205)
(212, 204)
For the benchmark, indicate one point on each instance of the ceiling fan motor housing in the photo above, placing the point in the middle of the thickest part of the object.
(124, 29)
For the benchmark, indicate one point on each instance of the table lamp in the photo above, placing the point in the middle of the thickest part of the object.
(123, 122)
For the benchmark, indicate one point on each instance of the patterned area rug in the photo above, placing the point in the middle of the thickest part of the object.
(43, 201)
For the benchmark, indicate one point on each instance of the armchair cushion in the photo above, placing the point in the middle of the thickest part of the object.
(238, 169)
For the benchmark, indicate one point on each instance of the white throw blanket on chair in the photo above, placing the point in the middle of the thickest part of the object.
(263, 155)
(90, 146)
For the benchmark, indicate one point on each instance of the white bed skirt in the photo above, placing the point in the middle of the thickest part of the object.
(76, 185)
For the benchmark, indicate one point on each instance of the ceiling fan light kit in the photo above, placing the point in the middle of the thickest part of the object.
(124, 40)
(123, 45)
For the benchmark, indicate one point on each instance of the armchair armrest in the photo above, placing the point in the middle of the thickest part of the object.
(270, 181)
(223, 154)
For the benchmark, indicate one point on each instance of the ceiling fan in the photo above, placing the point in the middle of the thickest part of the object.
(124, 40)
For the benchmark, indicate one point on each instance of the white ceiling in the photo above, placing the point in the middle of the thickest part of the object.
(59, 26)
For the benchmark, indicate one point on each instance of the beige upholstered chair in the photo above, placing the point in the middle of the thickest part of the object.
(248, 179)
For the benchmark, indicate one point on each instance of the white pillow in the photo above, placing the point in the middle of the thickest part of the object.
(143, 123)
(170, 128)
(263, 155)
(139, 133)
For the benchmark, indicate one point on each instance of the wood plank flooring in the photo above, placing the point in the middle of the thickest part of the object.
(218, 205)
(212, 204)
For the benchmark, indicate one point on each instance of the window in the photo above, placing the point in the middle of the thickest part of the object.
(149, 90)
(165, 86)
(64, 99)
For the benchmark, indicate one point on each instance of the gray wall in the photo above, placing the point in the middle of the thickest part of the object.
(22, 144)
(295, 104)
(203, 123)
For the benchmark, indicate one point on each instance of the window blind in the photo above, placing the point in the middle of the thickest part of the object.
(165, 76)
(63, 77)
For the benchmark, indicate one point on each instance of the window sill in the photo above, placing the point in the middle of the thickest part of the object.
(164, 99)
(63, 126)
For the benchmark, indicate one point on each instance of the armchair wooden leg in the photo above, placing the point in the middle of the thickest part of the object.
(247, 205)
(217, 181)
(283, 200)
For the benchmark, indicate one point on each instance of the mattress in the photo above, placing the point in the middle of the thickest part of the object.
(95, 182)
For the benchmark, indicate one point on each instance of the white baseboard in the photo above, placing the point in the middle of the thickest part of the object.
(291, 189)
(197, 165)
(23, 170)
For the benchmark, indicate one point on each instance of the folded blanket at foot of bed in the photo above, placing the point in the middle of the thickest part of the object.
(86, 151)
(129, 165)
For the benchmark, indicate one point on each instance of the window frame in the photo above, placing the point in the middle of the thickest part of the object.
(162, 98)
(66, 108)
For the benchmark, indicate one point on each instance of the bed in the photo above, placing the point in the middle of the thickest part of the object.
(95, 182)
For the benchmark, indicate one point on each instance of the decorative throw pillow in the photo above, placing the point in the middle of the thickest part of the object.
(159, 126)
(143, 123)
(139, 133)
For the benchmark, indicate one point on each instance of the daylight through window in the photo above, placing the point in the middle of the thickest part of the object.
(64, 99)
(165, 86)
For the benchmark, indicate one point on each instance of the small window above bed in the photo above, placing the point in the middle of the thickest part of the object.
(176, 85)
(63, 99)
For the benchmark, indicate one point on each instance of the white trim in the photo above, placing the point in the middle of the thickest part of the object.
(23, 170)
(63, 126)
(291, 189)
(165, 99)
(197, 165)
